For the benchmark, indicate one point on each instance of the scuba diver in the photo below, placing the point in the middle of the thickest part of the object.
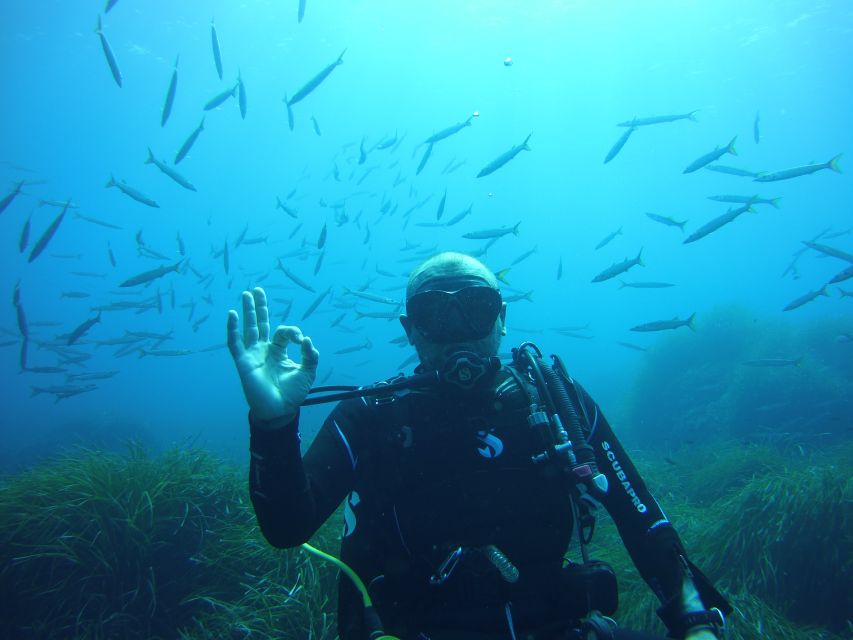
(463, 485)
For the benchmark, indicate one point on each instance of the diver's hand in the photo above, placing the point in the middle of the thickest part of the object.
(274, 384)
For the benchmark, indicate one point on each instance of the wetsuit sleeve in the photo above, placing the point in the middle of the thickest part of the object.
(649, 537)
(293, 496)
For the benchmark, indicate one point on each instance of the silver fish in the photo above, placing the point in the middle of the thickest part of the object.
(663, 325)
(795, 172)
(108, 53)
(619, 267)
(131, 192)
(505, 157)
(709, 157)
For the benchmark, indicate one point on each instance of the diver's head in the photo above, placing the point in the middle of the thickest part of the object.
(453, 304)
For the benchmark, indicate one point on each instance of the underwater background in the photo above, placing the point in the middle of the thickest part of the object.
(124, 511)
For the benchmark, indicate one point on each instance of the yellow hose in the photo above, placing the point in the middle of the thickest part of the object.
(365, 596)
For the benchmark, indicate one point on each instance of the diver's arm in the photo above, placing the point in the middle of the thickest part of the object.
(648, 535)
(293, 496)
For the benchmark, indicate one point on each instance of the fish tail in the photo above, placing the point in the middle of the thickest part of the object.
(150, 156)
(515, 228)
(823, 291)
(622, 284)
(692, 115)
(690, 321)
(640, 258)
(111, 182)
(731, 148)
(833, 164)
(98, 27)
(35, 391)
(681, 226)
(774, 202)
(340, 59)
(524, 144)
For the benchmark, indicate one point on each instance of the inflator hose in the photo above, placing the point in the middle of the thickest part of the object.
(374, 625)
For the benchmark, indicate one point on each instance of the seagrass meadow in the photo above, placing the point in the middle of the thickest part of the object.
(131, 545)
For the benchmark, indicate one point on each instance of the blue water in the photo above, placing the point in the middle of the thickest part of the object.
(414, 68)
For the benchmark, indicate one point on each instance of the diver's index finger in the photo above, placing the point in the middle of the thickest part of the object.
(310, 355)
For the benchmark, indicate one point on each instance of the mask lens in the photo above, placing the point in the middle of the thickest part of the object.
(445, 317)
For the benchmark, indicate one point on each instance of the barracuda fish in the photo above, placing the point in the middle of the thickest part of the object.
(365, 295)
(241, 95)
(774, 362)
(628, 345)
(642, 122)
(108, 225)
(733, 171)
(110, 5)
(174, 175)
(449, 131)
(527, 295)
(7, 200)
(91, 375)
(645, 285)
(108, 53)
(24, 238)
(290, 122)
(321, 241)
(132, 192)
(170, 96)
(313, 306)
(295, 278)
(151, 275)
(756, 199)
(280, 205)
(315, 82)
(485, 234)
(377, 315)
(709, 157)
(666, 220)
(459, 216)
(80, 331)
(165, 353)
(358, 347)
(619, 267)
(830, 251)
(796, 172)
(811, 295)
(226, 260)
(313, 121)
(663, 325)
(424, 159)
(608, 238)
(189, 142)
(217, 56)
(716, 223)
(220, 98)
(41, 245)
(74, 294)
(301, 11)
(560, 268)
(440, 210)
(616, 148)
(843, 275)
(756, 133)
(523, 256)
(505, 157)
(63, 391)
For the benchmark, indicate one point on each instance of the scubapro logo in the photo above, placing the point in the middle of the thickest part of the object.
(492, 445)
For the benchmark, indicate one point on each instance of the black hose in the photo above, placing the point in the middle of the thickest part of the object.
(566, 408)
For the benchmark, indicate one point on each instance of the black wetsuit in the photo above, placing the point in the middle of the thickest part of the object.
(425, 472)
